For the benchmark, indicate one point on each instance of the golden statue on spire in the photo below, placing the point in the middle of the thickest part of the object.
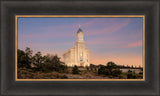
(79, 25)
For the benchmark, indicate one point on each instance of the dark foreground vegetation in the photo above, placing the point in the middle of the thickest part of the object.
(50, 67)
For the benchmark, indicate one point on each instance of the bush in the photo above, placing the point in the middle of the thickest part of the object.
(141, 72)
(64, 77)
(75, 70)
(110, 69)
(107, 72)
(130, 75)
(102, 70)
(116, 72)
(111, 65)
(87, 68)
(129, 71)
(24, 59)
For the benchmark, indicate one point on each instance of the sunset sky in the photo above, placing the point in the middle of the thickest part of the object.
(108, 39)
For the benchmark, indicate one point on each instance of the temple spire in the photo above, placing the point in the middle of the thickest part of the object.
(79, 30)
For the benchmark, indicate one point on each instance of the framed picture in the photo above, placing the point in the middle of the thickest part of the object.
(80, 63)
(80, 47)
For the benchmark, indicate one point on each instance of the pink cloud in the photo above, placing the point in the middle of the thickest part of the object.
(133, 44)
(117, 42)
(114, 42)
(110, 28)
(104, 41)
(136, 36)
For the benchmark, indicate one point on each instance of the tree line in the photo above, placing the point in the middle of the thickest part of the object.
(110, 69)
(37, 62)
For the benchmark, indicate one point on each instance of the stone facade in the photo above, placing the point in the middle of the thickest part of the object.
(78, 55)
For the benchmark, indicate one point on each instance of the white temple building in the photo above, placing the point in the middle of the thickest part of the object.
(78, 55)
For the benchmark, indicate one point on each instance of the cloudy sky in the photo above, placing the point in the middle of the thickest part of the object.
(108, 39)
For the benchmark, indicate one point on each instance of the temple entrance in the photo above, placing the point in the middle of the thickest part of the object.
(82, 64)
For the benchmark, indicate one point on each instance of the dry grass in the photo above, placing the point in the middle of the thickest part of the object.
(24, 73)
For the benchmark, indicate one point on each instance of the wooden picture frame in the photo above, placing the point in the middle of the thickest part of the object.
(9, 9)
(80, 16)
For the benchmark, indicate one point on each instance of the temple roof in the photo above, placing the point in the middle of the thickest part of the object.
(79, 30)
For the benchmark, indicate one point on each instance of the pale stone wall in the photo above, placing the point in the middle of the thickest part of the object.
(134, 70)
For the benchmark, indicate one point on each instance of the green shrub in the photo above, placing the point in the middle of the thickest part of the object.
(102, 70)
(107, 72)
(129, 71)
(141, 69)
(24, 58)
(116, 72)
(64, 77)
(111, 65)
(131, 76)
(87, 68)
(110, 69)
(141, 72)
(75, 70)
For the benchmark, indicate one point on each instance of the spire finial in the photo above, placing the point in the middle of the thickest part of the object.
(79, 25)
